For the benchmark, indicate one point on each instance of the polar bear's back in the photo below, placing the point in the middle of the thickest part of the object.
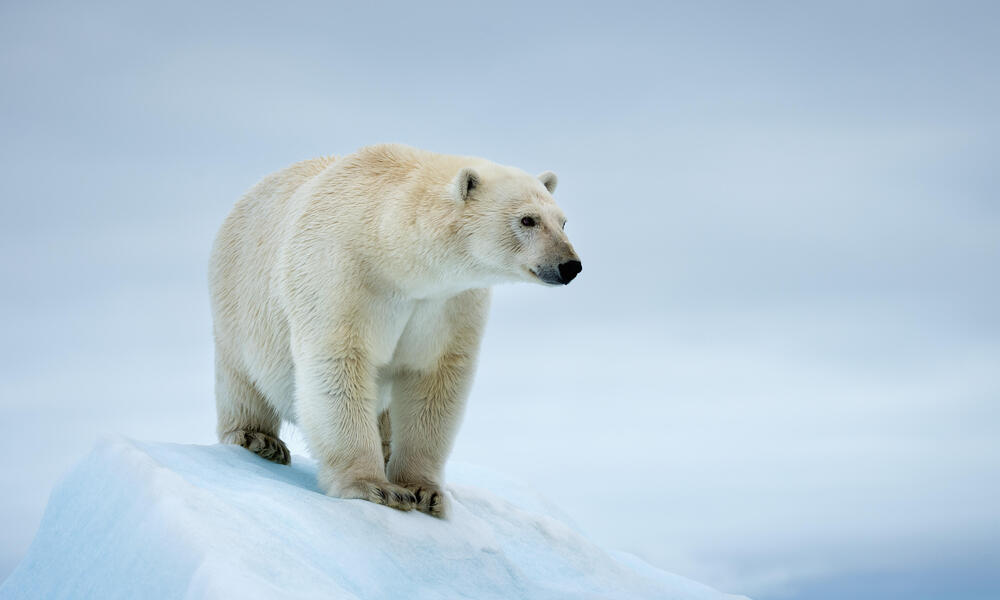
(249, 238)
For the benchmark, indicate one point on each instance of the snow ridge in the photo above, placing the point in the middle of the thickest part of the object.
(145, 520)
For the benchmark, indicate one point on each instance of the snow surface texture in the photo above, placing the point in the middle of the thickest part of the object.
(144, 520)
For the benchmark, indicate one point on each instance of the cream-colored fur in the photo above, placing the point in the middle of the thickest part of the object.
(346, 288)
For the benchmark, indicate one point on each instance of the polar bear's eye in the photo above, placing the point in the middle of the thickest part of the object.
(528, 222)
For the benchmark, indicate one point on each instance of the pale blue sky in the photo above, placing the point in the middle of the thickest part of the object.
(778, 373)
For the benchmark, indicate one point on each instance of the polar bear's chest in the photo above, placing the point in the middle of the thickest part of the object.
(419, 338)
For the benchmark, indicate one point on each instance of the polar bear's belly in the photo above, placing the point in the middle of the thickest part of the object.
(411, 338)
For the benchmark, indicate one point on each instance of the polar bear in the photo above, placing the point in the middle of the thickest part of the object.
(349, 296)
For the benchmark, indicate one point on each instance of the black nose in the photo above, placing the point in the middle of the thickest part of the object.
(569, 270)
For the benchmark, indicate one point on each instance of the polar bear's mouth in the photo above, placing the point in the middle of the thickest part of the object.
(540, 278)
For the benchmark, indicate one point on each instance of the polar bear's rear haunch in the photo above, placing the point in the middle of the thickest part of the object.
(345, 288)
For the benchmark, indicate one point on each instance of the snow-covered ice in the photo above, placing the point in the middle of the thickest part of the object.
(145, 520)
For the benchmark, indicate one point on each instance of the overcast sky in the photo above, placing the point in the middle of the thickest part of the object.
(779, 372)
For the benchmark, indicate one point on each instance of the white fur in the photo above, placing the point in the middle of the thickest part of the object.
(345, 287)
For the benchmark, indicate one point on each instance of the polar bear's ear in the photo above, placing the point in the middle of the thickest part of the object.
(549, 180)
(466, 181)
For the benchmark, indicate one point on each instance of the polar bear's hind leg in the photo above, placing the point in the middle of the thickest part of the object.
(245, 417)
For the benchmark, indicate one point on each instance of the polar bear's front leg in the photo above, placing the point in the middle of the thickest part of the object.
(335, 401)
(426, 410)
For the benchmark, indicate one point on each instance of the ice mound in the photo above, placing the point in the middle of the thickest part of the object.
(145, 520)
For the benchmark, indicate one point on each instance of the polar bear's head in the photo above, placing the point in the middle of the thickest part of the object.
(513, 226)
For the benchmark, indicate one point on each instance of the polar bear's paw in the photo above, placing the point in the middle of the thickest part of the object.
(430, 498)
(381, 492)
(264, 445)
